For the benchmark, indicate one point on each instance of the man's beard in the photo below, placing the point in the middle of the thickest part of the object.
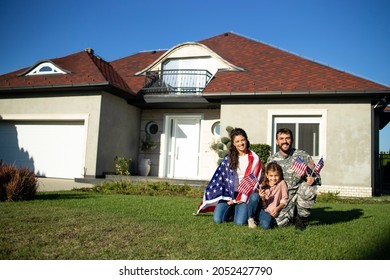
(285, 147)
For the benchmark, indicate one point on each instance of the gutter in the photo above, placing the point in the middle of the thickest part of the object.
(24, 88)
(128, 95)
(287, 93)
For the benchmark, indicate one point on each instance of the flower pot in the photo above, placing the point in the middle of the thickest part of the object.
(144, 167)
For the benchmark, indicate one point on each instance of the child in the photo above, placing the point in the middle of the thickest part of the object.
(272, 196)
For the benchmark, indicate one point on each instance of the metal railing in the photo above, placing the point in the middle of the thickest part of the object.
(176, 82)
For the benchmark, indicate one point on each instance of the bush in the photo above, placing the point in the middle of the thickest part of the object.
(122, 165)
(148, 188)
(17, 183)
(263, 151)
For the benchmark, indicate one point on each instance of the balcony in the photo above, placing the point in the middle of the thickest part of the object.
(176, 82)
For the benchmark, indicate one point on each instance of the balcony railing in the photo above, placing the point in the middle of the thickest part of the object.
(176, 82)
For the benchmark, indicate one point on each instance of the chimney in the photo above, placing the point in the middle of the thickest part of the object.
(89, 50)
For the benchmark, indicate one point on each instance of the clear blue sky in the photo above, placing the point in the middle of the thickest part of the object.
(350, 35)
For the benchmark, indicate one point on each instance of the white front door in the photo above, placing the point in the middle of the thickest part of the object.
(183, 146)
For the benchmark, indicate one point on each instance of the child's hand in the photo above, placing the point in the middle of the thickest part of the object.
(274, 213)
(262, 193)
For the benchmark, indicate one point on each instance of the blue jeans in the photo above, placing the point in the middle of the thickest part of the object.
(253, 206)
(260, 215)
(266, 220)
(225, 213)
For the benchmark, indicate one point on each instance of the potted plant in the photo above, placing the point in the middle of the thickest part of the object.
(147, 144)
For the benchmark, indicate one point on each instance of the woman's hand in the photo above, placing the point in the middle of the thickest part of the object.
(230, 202)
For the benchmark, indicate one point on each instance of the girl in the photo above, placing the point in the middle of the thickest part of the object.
(272, 197)
(222, 195)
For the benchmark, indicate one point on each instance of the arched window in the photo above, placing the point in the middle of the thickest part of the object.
(45, 68)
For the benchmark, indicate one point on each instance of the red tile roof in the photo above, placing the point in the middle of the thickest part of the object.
(266, 70)
(85, 69)
(128, 66)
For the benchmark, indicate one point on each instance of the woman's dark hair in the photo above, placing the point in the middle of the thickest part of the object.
(273, 166)
(233, 153)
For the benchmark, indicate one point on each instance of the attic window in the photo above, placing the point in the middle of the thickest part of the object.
(45, 68)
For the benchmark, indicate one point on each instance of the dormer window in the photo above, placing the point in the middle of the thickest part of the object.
(45, 68)
(185, 69)
(187, 75)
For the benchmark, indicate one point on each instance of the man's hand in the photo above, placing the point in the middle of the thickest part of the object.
(310, 180)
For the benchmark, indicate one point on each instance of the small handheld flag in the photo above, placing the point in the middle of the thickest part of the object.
(318, 167)
(247, 184)
(299, 166)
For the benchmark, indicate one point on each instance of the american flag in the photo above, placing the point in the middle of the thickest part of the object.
(222, 184)
(299, 166)
(319, 166)
(247, 184)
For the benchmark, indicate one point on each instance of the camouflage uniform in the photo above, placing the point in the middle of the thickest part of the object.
(301, 196)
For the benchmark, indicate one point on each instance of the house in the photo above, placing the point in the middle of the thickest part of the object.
(69, 117)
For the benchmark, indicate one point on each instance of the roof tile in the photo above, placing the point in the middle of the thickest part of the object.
(84, 67)
(266, 69)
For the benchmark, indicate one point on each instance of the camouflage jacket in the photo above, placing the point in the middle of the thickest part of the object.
(292, 179)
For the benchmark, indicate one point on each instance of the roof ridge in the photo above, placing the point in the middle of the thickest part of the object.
(110, 74)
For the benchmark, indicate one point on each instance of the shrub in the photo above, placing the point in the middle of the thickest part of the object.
(148, 188)
(17, 183)
(328, 197)
(122, 165)
(263, 151)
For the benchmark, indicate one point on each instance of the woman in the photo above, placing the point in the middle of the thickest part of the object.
(224, 195)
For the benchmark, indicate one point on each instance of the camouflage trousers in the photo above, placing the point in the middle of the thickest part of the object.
(300, 202)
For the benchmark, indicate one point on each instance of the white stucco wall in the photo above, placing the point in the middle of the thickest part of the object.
(208, 158)
(111, 125)
(85, 108)
(119, 133)
(347, 143)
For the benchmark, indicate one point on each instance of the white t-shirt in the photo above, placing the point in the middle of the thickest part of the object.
(243, 162)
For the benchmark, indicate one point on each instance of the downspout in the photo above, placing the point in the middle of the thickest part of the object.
(375, 171)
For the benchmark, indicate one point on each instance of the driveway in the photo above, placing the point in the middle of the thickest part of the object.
(53, 184)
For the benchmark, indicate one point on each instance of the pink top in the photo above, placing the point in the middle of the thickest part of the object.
(275, 195)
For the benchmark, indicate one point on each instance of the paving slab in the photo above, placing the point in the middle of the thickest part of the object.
(54, 184)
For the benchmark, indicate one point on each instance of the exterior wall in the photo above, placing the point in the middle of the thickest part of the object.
(347, 145)
(208, 158)
(60, 107)
(118, 134)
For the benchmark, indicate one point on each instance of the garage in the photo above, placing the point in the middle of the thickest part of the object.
(50, 148)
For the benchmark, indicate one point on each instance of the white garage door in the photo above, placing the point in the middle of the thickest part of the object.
(51, 149)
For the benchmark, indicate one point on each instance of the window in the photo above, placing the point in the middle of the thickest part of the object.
(216, 129)
(151, 128)
(45, 68)
(308, 131)
(188, 74)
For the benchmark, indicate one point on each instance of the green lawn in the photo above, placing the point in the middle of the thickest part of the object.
(85, 225)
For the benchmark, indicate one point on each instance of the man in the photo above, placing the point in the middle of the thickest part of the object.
(302, 190)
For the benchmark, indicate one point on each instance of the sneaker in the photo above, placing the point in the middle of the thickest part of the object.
(251, 223)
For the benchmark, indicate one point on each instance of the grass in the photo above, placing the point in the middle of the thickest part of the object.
(74, 225)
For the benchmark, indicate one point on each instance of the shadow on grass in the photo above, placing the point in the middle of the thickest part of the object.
(381, 251)
(324, 216)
